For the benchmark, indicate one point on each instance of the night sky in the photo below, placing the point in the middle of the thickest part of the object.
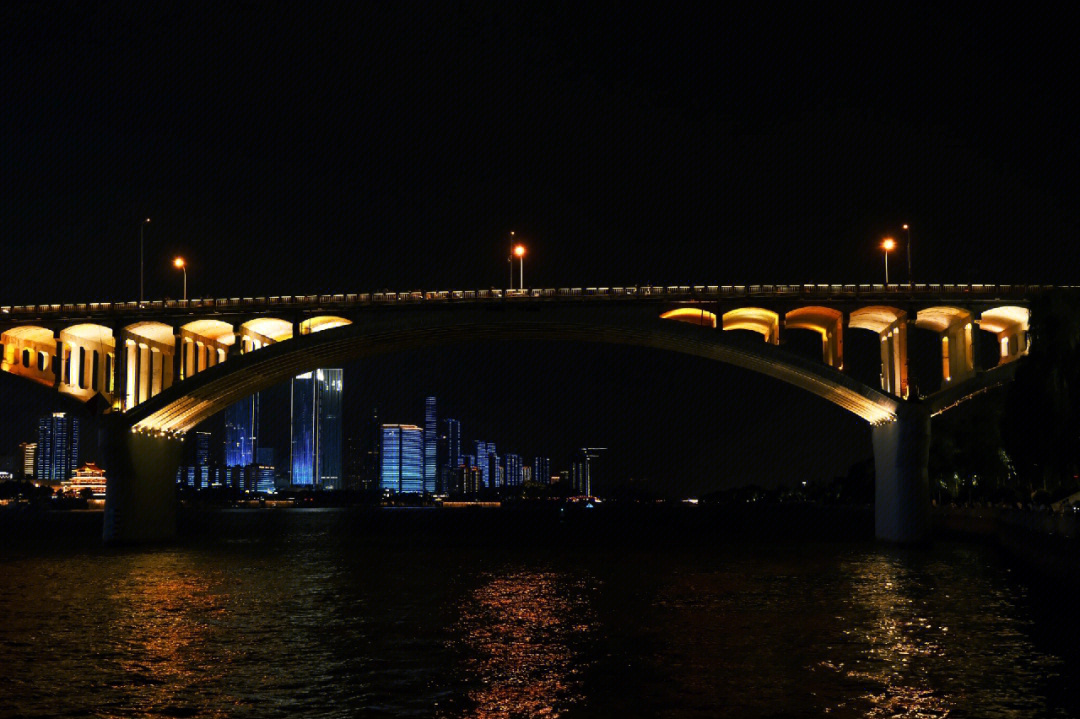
(285, 150)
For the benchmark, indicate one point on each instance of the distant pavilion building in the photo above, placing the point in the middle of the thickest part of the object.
(88, 476)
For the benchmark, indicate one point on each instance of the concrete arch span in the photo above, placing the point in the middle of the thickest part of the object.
(1009, 324)
(827, 322)
(144, 445)
(28, 352)
(178, 410)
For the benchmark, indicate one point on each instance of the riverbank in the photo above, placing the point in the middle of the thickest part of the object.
(1045, 543)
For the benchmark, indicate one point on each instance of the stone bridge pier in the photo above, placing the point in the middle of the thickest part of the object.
(901, 484)
(141, 494)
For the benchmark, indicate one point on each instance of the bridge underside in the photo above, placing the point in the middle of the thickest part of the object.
(148, 453)
(179, 408)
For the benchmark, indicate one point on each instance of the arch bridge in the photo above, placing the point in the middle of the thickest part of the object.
(159, 368)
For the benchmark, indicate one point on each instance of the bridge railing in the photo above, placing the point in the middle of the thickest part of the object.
(673, 292)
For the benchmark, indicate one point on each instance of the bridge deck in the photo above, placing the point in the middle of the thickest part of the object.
(672, 293)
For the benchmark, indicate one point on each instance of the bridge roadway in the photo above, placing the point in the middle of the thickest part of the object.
(182, 361)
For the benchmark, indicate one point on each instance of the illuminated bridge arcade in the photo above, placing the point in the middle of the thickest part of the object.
(159, 368)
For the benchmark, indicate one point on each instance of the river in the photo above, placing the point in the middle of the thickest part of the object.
(462, 613)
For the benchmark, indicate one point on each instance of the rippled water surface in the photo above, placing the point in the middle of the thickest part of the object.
(303, 613)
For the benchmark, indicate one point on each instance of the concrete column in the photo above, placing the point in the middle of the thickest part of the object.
(120, 389)
(237, 346)
(133, 374)
(901, 486)
(146, 371)
(140, 493)
(110, 377)
(58, 360)
(189, 358)
(157, 371)
(177, 359)
(200, 355)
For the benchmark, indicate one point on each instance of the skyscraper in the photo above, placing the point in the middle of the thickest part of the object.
(57, 447)
(242, 431)
(542, 470)
(316, 429)
(453, 442)
(495, 470)
(482, 461)
(512, 475)
(25, 465)
(430, 440)
(449, 452)
(202, 459)
(402, 458)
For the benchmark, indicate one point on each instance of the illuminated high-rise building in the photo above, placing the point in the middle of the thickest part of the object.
(542, 470)
(512, 470)
(483, 449)
(316, 429)
(402, 455)
(242, 431)
(57, 447)
(449, 452)
(24, 468)
(202, 459)
(431, 439)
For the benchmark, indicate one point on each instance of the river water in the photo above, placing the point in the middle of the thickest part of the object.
(343, 613)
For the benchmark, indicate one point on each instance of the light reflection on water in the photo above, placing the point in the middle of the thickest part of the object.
(307, 620)
(522, 633)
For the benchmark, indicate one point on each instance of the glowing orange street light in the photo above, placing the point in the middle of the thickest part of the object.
(142, 226)
(888, 244)
(519, 252)
(907, 238)
(179, 264)
(510, 259)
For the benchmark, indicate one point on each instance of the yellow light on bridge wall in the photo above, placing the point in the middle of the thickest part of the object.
(691, 315)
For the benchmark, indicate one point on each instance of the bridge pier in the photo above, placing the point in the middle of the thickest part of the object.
(140, 493)
(902, 488)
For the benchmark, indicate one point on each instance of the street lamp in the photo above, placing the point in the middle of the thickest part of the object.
(887, 245)
(510, 259)
(907, 238)
(519, 252)
(179, 264)
(142, 226)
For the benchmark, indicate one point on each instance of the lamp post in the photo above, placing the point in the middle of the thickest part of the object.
(142, 226)
(510, 259)
(888, 244)
(179, 264)
(907, 238)
(519, 252)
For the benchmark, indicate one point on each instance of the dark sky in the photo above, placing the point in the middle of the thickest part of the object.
(283, 149)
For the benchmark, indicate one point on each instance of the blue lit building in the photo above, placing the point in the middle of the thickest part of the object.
(449, 452)
(202, 459)
(402, 456)
(57, 447)
(495, 470)
(242, 431)
(431, 438)
(513, 473)
(542, 470)
(316, 429)
(484, 450)
(453, 443)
